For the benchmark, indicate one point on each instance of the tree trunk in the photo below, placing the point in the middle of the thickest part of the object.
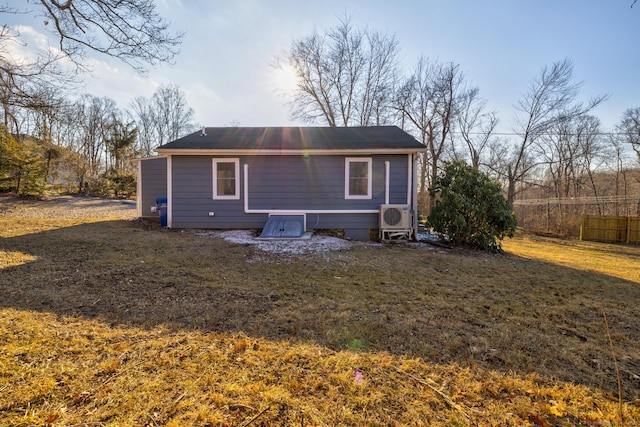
(511, 189)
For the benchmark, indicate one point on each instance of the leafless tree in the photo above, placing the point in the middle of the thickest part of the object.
(498, 150)
(622, 167)
(162, 118)
(43, 120)
(476, 126)
(94, 117)
(572, 151)
(629, 129)
(595, 149)
(142, 113)
(429, 101)
(626, 138)
(345, 76)
(173, 114)
(550, 100)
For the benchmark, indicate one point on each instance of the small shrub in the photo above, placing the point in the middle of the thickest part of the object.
(113, 184)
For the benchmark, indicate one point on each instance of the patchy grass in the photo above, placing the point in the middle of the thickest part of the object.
(122, 323)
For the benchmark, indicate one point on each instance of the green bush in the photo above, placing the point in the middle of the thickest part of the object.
(22, 170)
(470, 209)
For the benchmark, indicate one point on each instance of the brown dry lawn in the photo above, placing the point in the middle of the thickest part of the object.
(112, 322)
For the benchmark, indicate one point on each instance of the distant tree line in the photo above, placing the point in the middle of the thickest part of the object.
(349, 76)
(346, 76)
(87, 145)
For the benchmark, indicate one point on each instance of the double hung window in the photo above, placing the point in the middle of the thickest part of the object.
(226, 179)
(357, 178)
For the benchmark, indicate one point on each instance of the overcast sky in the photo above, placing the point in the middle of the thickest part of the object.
(500, 45)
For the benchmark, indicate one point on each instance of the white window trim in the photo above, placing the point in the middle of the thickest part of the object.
(236, 163)
(347, 162)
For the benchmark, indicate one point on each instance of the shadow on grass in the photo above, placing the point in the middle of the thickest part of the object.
(499, 312)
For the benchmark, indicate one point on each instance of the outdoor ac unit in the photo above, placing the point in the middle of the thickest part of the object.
(395, 217)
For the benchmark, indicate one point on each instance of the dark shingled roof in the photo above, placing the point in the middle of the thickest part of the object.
(297, 138)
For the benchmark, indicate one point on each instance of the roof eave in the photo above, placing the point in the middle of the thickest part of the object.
(140, 159)
(266, 152)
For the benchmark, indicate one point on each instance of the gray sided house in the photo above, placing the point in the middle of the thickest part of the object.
(358, 179)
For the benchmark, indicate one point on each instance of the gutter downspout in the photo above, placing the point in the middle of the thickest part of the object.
(410, 180)
(414, 185)
(387, 171)
(139, 189)
(169, 191)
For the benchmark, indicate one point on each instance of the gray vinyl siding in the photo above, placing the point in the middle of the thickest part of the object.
(154, 183)
(317, 182)
(281, 183)
(192, 198)
(342, 221)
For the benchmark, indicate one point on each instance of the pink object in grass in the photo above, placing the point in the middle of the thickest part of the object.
(358, 377)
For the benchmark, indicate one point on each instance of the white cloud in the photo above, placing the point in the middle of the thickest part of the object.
(118, 82)
(26, 44)
(206, 103)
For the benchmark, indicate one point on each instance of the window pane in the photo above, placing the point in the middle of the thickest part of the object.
(226, 187)
(358, 169)
(358, 187)
(226, 179)
(358, 178)
(226, 170)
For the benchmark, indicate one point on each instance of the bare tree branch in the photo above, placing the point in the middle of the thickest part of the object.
(475, 125)
(628, 129)
(130, 30)
(24, 82)
(430, 99)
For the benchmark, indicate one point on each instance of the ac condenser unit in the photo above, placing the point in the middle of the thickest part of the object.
(395, 217)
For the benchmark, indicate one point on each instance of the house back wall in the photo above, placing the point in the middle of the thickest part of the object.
(281, 183)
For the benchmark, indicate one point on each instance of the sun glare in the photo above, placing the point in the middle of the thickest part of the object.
(284, 79)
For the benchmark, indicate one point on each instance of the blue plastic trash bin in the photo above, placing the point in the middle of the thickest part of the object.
(161, 204)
